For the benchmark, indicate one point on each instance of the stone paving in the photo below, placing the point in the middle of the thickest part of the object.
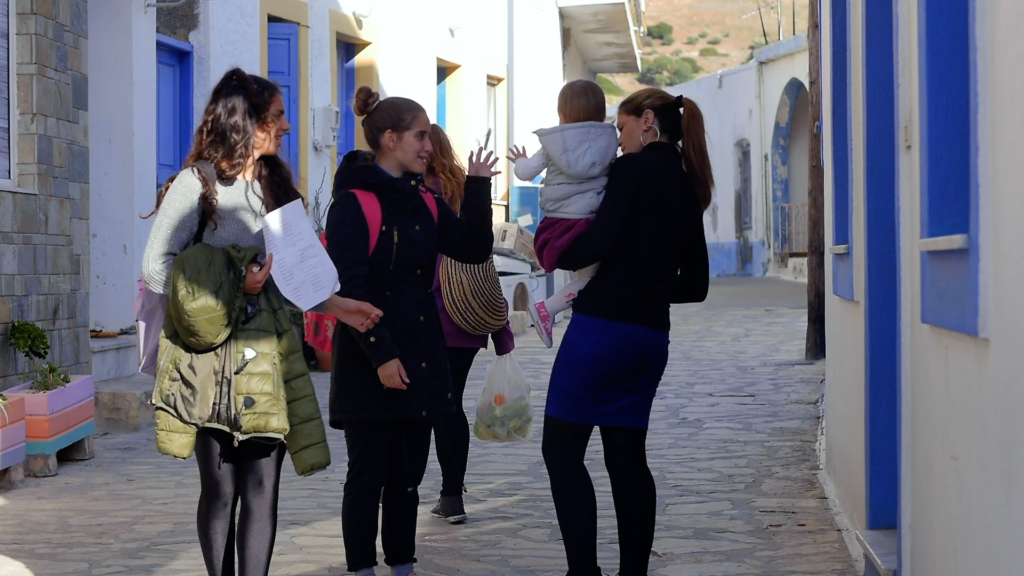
(732, 446)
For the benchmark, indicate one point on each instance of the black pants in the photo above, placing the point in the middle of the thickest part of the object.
(625, 455)
(451, 431)
(389, 456)
(250, 473)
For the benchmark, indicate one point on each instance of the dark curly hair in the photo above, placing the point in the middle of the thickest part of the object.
(239, 104)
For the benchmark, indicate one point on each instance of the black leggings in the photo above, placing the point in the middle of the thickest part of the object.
(625, 455)
(451, 430)
(250, 472)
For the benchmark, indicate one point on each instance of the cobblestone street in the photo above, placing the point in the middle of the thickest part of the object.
(732, 446)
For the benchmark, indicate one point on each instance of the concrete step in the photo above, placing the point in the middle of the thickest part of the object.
(122, 404)
(113, 358)
(880, 551)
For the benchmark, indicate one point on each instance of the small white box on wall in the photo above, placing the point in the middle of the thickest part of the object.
(326, 120)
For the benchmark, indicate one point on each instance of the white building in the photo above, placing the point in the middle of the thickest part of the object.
(756, 116)
(488, 70)
(923, 136)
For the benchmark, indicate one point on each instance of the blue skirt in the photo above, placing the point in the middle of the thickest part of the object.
(606, 373)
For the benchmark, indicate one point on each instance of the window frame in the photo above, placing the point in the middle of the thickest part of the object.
(842, 249)
(949, 248)
(11, 184)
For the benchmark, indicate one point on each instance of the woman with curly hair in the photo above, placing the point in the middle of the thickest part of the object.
(446, 175)
(233, 178)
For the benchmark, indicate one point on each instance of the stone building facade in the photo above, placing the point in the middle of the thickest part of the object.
(44, 179)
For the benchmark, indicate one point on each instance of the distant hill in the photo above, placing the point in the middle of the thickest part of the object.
(729, 27)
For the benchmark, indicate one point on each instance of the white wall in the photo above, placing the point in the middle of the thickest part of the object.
(228, 36)
(844, 327)
(536, 70)
(122, 151)
(731, 109)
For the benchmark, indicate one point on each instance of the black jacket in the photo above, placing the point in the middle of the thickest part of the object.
(397, 278)
(648, 236)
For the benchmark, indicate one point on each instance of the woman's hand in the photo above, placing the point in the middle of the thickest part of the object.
(360, 315)
(256, 275)
(392, 375)
(516, 153)
(481, 166)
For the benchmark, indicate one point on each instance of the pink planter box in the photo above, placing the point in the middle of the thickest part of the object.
(13, 411)
(48, 403)
(12, 435)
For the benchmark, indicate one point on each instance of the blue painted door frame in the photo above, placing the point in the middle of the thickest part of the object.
(283, 68)
(173, 105)
(780, 159)
(442, 97)
(346, 94)
(882, 279)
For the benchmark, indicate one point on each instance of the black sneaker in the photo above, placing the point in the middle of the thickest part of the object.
(451, 509)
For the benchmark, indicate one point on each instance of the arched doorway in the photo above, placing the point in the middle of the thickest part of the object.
(790, 169)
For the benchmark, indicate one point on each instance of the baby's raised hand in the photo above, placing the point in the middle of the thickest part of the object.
(515, 153)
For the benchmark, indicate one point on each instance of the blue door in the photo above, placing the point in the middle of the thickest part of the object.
(283, 68)
(173, 106)
(346, 94)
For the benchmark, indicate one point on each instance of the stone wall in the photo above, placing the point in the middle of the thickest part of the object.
(44, 227)
(178, 21)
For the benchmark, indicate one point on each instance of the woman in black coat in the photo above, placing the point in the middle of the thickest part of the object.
(384, 232)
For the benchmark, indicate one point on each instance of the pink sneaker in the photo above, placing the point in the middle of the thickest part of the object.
(543, 322)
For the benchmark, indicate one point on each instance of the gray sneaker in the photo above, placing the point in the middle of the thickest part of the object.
(450, 508)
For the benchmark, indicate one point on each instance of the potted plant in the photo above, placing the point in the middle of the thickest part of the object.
(319, 328)
(59, 408)
(12, 431)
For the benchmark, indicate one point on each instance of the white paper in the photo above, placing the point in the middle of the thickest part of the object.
(525, 220)
(302, 269)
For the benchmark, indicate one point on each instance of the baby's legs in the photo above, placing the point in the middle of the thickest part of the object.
(562, 300)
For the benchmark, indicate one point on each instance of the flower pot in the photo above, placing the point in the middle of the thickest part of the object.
(56, 419)
(12, 432)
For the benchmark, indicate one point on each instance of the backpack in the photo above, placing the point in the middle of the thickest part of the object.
(374, 217)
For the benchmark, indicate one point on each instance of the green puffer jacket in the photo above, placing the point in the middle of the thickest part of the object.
(211, 325)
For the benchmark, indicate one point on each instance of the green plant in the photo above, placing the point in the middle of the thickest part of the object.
(677, 52)
(711, 51)
(665, 71)
(726, 34)
(714, 41)
(703, 34)
(647, 42)
(692, 40)
(668, 40)
(609, 86)
(31, 341)
(659, 31)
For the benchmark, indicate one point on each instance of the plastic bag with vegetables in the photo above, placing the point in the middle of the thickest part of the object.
(504, 412)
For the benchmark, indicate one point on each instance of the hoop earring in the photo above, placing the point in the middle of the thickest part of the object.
(658, 130)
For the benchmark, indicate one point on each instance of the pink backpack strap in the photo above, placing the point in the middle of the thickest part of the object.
(431, 202)
(371, 210)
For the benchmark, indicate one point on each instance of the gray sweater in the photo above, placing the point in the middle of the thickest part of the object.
(240, 213)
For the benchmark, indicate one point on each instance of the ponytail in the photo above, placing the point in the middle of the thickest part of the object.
(695, 152)
(681, 122)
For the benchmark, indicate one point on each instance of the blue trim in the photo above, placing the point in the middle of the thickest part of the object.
(442, 97)
(177, 57)
(949, 162)
(881, 246)
(346, 94)
(780, 156)
(283, 68)
(842, 161)
(53, 445)
(731, 258)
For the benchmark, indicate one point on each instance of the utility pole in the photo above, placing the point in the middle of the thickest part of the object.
(815, 347)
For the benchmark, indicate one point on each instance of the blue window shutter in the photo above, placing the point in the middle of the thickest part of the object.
(346, 94)
(283, 68)
(442, 97)
(842, 159)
